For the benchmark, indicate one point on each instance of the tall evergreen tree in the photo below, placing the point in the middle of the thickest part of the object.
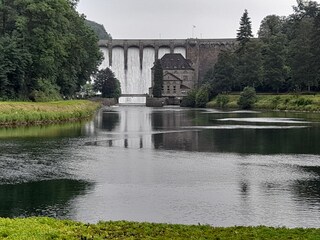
(157, 80)
(245, 31)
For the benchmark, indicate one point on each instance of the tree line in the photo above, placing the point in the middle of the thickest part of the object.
(284, 58)
(46, 49)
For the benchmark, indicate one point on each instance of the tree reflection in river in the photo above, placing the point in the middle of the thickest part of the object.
(50, 198)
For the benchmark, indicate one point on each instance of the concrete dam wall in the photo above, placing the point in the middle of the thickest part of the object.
(132, 60)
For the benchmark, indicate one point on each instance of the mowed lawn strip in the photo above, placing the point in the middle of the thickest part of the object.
(20, 113)
(48, 228)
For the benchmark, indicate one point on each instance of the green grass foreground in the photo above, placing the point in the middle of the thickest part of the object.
(292, 102)
(47, 228)
(29, 113)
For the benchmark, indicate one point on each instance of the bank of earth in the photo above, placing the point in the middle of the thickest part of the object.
(30, 113)
(291, 102)
(48, 228)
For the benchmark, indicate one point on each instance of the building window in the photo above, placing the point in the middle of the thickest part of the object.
(168, 89)
(174, 89)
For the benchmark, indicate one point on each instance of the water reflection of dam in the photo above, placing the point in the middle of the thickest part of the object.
(125, 127)
(193, 130)
(141, 127)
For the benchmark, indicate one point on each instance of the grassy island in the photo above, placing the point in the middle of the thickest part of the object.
(47, 228)
(291, 102)
(29, 113)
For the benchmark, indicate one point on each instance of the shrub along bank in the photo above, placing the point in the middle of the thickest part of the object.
(29, 113)
(47, 228)
(292, 102)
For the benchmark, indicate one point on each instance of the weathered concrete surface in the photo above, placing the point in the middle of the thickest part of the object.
(202, 52)
(155, 102)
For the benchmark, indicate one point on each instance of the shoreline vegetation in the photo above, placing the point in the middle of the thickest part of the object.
(49, 228)
(42, 113)
(38, 113)
(281, 102)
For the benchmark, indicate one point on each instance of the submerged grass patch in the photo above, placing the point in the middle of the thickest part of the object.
(47, 228)
(19, 113)
(293, 102)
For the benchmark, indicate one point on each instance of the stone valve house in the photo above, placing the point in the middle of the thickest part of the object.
(178, 77)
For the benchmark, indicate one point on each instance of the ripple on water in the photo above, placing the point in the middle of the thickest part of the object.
(231, 127)
(25, 169)
(264, 120)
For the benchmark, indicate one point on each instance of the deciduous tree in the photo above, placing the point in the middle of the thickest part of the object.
(249, 69)
(274, 61)
(271, 25)
(106, 83)
(49, 44)
(247, 98)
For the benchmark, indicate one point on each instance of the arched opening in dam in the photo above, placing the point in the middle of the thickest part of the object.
(181, 50)
(163, 51)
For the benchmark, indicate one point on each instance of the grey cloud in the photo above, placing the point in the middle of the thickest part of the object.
(175, 18)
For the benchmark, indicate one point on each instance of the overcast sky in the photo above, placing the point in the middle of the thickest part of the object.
(126, 19)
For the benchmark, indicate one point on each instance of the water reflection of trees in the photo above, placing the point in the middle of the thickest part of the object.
(47, 131)
(262, 141)
(46, 198)
(157, 124)
(109, 120)
(308, 190)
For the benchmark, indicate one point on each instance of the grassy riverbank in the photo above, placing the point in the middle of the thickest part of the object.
(29, 113)
(292, 102)
(47, 228)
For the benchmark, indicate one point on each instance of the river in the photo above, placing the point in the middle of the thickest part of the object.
(169, 165)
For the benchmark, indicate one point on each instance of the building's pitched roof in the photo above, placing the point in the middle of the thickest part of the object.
(184, 87)
(174, 76)
(175, 61)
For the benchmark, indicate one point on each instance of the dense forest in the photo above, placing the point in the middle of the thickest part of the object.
(47, 49)
(284, 58)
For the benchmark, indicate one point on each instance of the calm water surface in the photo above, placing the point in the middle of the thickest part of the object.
(168, 165)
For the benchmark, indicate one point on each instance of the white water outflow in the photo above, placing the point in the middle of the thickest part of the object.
(134, 80)
(105, 63)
